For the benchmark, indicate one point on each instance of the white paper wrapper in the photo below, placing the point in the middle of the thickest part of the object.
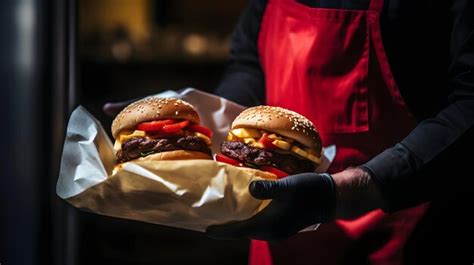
(188, 194)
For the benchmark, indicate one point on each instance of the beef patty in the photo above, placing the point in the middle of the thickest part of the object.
(143, 146)
(291, 164)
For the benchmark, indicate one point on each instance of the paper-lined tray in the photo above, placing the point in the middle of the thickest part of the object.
(188, 194)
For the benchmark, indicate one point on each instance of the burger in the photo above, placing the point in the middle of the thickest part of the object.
(160, 129)
(273, 140)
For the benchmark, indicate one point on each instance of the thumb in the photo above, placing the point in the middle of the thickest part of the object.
(113, 108)
(266, 189)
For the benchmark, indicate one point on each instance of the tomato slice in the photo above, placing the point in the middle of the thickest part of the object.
(200, 129)
(175, 127)
(161, 134)
(266, 142)
(279, 173)
(154, 125)
(227, 160)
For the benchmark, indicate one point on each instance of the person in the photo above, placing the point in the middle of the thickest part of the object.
(371, 75)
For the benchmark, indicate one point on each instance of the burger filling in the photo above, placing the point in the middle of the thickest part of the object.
(161, 136)
(263, 157)
(143, 146)
(267, 151)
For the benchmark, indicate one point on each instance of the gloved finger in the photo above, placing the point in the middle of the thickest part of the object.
(235, 230)
(258, 227)
(254, 227)
(113, 108)
(266, 189)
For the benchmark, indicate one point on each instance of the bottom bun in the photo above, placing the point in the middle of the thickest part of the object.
(169, 155)
(175, 155)
(259, 173)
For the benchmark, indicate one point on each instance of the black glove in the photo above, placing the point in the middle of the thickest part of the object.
(298, 201)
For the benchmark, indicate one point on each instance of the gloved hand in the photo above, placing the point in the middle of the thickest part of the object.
(298, 201)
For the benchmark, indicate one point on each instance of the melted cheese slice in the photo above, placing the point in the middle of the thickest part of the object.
(246, 133)
(125, 136)
(282, 144)
(203, 137)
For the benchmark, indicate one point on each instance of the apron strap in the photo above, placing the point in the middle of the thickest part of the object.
(376, 5)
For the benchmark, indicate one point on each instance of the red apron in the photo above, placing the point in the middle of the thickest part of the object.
(330, 65)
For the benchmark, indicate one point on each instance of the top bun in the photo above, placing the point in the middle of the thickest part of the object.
(153, 108)
(281, 121)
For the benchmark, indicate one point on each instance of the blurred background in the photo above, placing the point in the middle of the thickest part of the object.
(134, 48)
(59, 54)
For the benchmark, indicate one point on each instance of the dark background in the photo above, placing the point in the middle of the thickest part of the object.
(62, 53)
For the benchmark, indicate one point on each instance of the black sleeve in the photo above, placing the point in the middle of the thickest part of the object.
(243, 81)
(434, 160)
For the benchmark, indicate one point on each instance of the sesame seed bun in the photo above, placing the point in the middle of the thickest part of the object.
(281, 121)
(259, 173)
(169, 155)
(153, 108)
(175, 155)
